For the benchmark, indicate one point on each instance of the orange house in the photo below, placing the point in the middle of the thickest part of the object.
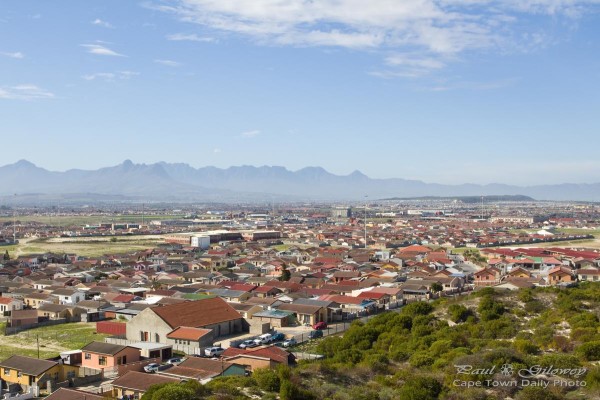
(98, 355)
(560, 274)
(487, 277)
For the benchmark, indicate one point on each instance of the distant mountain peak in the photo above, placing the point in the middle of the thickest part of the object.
(357, 174)
(24, 164)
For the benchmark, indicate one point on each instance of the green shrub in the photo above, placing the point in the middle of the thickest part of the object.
(589, 351)
(420, 388)
(267, 379)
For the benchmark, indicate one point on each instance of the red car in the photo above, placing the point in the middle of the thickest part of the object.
(320, 325)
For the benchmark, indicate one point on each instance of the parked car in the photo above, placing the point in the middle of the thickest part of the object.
(320, 325)
(152, 367)
(213, 351)
(264, 339)
(174, 361)
(289, 342)
(277, 337)
(315, 334)
(248, 344)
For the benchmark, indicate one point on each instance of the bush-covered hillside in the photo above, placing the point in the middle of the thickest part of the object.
(541, 343)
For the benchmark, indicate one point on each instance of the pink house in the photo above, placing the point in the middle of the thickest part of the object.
(100, 355)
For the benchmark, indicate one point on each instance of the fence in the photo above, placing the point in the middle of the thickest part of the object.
(106, 388)
(12, 330)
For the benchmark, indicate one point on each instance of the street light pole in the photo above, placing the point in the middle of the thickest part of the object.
(15, 220)
(366, 197)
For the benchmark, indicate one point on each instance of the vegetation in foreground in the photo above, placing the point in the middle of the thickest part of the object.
(413, 354)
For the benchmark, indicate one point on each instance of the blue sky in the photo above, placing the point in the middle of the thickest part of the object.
(447, 91)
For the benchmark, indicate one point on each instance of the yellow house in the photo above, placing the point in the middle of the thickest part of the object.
(27, 371)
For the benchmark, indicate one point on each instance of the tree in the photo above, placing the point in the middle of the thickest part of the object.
(6, 256)
(436, 287)
(174, 392)
(285, 274)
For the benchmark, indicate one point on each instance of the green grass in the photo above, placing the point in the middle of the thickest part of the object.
(577, 231)
(91, 248)
(52, 339)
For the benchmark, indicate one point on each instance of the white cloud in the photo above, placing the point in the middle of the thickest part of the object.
(110, 76)
(24, 92)
(101, 50)
(466, 85)
(192, 37)
(423, 35)
(168, 63)
(250, 134)
(216, 151)
(17, 54)
(99, 22)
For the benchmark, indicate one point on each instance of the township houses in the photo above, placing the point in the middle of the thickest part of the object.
(28, 371)
(487, 277)
(259, 357)
(204, 369)
(154, 324)
(99, 355)
(7, 305)
(135, 384)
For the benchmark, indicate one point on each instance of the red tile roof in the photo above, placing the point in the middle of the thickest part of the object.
(188, 333)
(197, 313)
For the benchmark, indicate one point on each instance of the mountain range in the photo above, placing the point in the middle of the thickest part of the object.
(181, 182)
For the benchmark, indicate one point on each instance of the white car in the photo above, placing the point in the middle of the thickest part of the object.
(152, 367)
(264, 339)
(174, 361)
(213, 351)
(248, 344)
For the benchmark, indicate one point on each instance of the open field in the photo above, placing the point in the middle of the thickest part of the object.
(52, 340)
(86, 246)
(80, 220)
(587, 243)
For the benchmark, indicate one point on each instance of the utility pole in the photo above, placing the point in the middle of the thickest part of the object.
(366, 197)
(15, 220)
(37, 338)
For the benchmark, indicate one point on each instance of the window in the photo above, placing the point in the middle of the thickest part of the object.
(157, 338)
(119, 361)
(71, 374)
(102, 360)
(88, 356)
(19, 374)
(7, 371)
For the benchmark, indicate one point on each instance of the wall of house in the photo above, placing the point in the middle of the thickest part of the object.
(253, 363)
(92, 360)
(205, 341)
(226, 328)
(119, 393)
(147, 321)
(58, 373)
